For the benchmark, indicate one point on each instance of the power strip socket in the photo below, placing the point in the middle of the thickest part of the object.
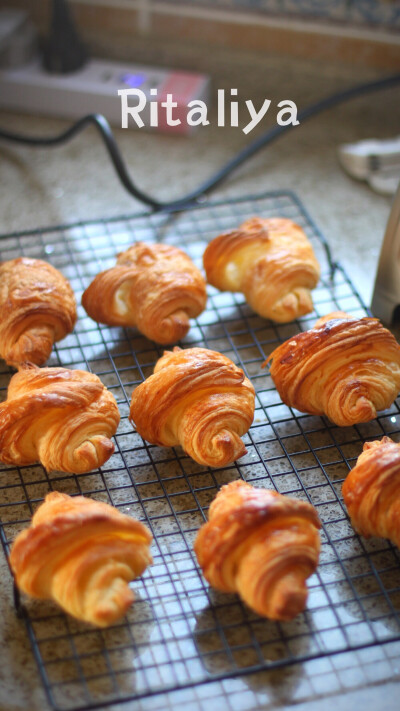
(94, 89)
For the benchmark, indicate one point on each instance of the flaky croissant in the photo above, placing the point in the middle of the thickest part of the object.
(156, 288)
(371, 491)
(262, 545)
(37, 307)
(271, 262)
(199, 399)
(61, 418)
(346, 368)
(82, 554)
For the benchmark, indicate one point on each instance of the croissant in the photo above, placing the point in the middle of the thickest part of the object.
(82, 554)
(154, 287)
(346, 368)
(271, 262)
(372, 491)
(262, 545)
(61, 418)
(199, 399)
(37, 308)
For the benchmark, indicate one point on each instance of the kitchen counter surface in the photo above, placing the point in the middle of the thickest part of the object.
(41, 187)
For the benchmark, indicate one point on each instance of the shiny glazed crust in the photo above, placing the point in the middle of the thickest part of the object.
(82, 554)
(262, 545)
(346, 368)
(37, 307)
(199, 399)
(271, 262)
(61, 418)
(372, 491)
(156, 288)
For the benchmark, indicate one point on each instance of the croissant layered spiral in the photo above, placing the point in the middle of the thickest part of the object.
(371, 491)
(199, 399)
(82, 554)
(271, 262)
(37, 308)
(156, 288)
(262, 545)
(346, 368)
(61, 418)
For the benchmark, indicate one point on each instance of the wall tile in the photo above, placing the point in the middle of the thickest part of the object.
(377, 13)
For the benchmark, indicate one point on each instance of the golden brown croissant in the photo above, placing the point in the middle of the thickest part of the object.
(37, 308)
(262, 545)
(371, 491)
(82, 554)
(154, 287)
(61, 418)
(199, 399)
(346, 368)
(271, 262)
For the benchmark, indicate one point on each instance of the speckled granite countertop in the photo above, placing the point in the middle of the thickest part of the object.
(43, 187)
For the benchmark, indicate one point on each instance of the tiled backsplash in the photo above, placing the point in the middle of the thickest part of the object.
(382, 13)
(360, 32)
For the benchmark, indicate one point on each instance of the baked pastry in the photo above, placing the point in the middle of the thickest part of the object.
(37, 308)
(82, 554)
(61, 418)
(262, 545)
(199, 399)
(371, 491)
(154, 287)
(271, 262)
(346, 368)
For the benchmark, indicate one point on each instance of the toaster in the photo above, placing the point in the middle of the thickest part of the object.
(386, 297)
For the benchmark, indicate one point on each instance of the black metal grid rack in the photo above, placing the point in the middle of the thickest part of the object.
(179, 632)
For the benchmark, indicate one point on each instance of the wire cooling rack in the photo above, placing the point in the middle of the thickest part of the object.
(179, 632)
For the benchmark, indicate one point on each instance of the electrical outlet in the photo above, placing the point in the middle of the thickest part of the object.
(94, 89)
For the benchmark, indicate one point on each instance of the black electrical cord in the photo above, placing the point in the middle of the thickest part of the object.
(217, 178)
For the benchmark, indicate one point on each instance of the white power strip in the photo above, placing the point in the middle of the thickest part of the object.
(94, 89)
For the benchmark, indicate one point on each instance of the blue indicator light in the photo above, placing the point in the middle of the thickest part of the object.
(133, 80)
